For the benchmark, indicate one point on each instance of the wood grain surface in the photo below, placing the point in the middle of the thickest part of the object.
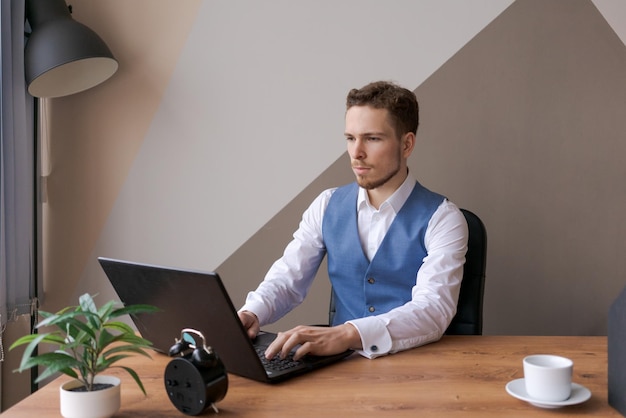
(457, 376)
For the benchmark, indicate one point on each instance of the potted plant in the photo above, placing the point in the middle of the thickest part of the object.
(88, 340)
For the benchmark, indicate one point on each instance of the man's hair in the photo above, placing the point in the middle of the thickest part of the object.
(401, 104)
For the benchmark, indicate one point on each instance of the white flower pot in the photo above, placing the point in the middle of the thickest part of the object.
(95, 404)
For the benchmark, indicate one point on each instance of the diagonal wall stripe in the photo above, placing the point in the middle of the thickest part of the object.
(250, 116)
(507, 125)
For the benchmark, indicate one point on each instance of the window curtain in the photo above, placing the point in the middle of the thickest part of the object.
(18, 256)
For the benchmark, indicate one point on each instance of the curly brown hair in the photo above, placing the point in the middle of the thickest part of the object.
(400, 102)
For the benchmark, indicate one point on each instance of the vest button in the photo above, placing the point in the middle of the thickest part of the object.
(371, 280)
(372, 309)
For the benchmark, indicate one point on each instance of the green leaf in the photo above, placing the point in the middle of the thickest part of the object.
(88, 341)
(126, 349)
(50, 371)
(119, 326)
(105, 339)
(23, 340)
(135, 377)
(105, 311)
(52, 362)
(70, 372)
(74, 327)
(54, 319)
(30, 348)
(106, 362)
(50, 338)
(87, 304)
(134, 309)
(44, 314)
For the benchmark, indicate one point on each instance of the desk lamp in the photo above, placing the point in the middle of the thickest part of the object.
(62, 56)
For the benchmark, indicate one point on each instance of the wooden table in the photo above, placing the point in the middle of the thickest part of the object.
(457, 376)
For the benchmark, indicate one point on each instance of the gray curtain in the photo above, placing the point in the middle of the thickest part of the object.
(17, 173)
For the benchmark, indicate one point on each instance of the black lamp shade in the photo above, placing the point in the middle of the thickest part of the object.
(62, 56)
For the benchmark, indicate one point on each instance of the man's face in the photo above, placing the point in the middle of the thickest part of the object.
(376, 153)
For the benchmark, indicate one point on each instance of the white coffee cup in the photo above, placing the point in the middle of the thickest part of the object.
(548, 377)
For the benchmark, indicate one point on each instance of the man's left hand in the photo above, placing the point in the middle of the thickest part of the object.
(319, 341)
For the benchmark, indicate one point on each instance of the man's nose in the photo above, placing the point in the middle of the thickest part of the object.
(357, 152)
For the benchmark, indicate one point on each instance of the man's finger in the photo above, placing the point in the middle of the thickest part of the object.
(275, 347)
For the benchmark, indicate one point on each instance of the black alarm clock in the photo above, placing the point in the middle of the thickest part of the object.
(196, 378)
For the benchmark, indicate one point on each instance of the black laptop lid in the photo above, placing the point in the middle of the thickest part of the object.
(186, 299)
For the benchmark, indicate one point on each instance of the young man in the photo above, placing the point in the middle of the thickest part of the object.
(395, 249)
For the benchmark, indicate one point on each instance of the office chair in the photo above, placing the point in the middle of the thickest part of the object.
(469, 309)
(469, 314)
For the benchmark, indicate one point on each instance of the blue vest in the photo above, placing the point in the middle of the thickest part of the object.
(362, 287)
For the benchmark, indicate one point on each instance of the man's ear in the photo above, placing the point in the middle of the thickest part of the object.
(408, 143)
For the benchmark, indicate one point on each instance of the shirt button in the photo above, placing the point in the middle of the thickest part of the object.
(374, 348)
(371, 280)
(372, 309)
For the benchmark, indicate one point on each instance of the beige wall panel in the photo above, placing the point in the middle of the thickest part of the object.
(94, 136)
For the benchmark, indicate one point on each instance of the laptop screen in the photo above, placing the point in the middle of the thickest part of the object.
(186, 299)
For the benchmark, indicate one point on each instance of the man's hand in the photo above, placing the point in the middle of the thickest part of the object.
(319, 341)
(250, 323)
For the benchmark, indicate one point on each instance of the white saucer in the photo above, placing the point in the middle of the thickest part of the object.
(517, 389)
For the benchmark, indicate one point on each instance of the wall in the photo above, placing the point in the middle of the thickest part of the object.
(225, 120)
(241, 106)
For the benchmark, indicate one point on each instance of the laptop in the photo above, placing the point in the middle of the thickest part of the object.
(198, 300)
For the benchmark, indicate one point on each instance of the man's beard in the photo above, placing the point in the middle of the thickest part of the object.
(373, 184)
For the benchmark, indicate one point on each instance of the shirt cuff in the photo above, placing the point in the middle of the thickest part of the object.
(259, 309)
(375, 338)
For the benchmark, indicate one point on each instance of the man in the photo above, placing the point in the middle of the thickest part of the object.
(395, 249)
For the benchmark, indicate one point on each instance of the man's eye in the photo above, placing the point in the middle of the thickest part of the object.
(373, 138)
(349, 138)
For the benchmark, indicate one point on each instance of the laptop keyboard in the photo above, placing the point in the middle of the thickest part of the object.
(277, 363)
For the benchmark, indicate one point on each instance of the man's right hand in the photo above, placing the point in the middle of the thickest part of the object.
(250, 323)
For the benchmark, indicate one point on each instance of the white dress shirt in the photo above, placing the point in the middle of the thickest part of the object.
(422, 320)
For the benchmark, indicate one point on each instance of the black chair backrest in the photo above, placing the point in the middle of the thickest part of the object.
(469, 315)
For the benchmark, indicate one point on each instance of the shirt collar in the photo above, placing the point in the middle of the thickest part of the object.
(396, 200)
